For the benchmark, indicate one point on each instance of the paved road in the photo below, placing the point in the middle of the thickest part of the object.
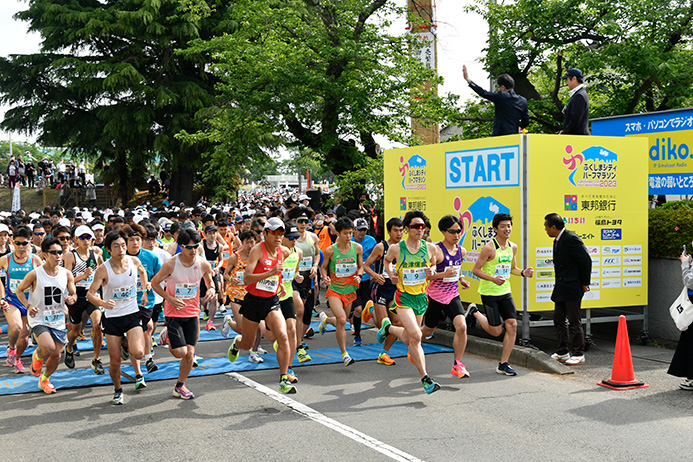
(365, 412)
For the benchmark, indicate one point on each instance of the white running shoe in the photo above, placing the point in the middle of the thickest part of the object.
(575, 360)
(226, 327)
(255, 358)
(261, 351)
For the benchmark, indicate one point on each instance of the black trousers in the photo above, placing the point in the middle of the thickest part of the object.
(566, 319)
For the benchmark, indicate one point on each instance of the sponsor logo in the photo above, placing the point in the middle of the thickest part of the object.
(632, 249)
(632, 282)
(413, 172)
(632, 271)
(595, 284)
(593, 249)
(611, 261)
(611, 272)
(592, 295)
(544, 274)
(544, 286)
(632, 260)
(403, 203)
(611, 234)
(594, 273)
(544, 263)
(489, 167)
(543, 297)
(570, 203)
(611, 250)
(595, 261)
(544, 251)
(611, 283)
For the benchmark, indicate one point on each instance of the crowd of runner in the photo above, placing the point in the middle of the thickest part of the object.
(260, 260)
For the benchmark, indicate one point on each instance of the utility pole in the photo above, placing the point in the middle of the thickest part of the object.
(422, 24)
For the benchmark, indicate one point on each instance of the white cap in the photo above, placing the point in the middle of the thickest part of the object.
(64, 222)
(82, 230)
(4, 228)
(98, 226)
(303, 197)
(274, 224)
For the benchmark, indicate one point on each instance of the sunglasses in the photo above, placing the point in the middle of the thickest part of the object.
(276, 232)
(292, 238)
(39, 234)
(85, 237)
(303, 221)
(55, 252)
(21, 243)
(191, 246)
(64, 238)
(417, 226)
(454, 231)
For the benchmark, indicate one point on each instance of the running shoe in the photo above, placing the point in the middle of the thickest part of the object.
(232, 354)
(151, 366)
(504, 368)
(367, 313)
(261, 351)
(291, 377)
(429, 337)
(357, 340)
(69, 359)
(303, 356)
(196, 360)
(429, 385)
(182, 393)
(97, 366)
(124, 353)
(118, 398)
(210, 325)
(11, 352)
(575, 360)
(305, 346)
(409, 357)
(323, 323)
(226, 326)
(285, 386)
(384, 358)
(81, 336)
(36, 365)
(46, 386)
(561, 358)
(253, 357)
(686, 385)
(19, 367)
(458, 370)
(75, 349)
(315, 313)
(348, 360)
(469, 315)
(205, 316)
(309, 333)
(381, 335)
(140, 383)
(222, 309)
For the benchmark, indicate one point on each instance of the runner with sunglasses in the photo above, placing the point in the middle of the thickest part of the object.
(342, 268)
(414, 257)
(38, 235)
(182, 275)
(444, 291)
(17, 265)
(64, 237)
(263, 277)
(82, 263)
(49, 287)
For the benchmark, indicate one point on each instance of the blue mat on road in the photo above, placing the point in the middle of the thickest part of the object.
(63, 379)
(205, 336)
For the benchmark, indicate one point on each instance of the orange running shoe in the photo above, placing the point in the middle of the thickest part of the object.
(46, 386)
(384, 358)
(367, 314)
(36, 365)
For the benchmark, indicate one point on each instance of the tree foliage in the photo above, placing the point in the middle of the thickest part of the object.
(635, 54)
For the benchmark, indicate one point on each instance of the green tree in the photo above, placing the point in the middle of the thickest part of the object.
(635, 54)
(109, 84)
(322, 74)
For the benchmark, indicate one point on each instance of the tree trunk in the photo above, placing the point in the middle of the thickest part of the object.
(181, 186)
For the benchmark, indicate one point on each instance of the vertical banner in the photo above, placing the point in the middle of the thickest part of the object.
(474, 180)
(16, 198)
(599, 186)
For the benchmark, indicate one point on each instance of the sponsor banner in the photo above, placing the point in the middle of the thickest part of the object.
(592, 295)
(632, 282)
(611, 250)
(543, 286)
(632, 249)
(593, 249)
(635, 271)
(611, 283)
(595, 284)
(611, 272)
(544, 297)
(596, 261)
(595, 272)
(632, 260)
(544, 274)
(543, 252)
(611, 261)
(544, 263)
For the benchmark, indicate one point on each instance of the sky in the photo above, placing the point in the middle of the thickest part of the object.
(461, 39)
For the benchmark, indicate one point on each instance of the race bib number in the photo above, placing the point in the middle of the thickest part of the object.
(305, 264)
(225, 255)
(14, 283)
(413, 276)
(271, 284)
(186, 290)
(56, 317)
(454, 278)
(344, 270)
(87, 282)
(288, 274)
(240, 275)
(503, 269)
(123, 294)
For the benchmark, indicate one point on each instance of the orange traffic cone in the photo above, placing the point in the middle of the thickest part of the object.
(622, 375)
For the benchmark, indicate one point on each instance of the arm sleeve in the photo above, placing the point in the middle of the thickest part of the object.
(481, 92)
(687, 275)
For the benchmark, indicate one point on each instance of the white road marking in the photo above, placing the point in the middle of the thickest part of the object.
(314, 415)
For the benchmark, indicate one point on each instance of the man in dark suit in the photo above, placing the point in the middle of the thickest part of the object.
(576, 114)
(510, 108)
(573, 266)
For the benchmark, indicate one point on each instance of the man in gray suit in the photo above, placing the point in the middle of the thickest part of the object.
(573, 267)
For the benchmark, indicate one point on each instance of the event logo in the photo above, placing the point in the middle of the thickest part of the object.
(570, 203)
(479, 218)
(413, 172)
(594, 167)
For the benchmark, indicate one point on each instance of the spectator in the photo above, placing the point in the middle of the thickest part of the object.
(12, 173)
(577, 112)
(682, 362)
(91, 193)
(30, 171)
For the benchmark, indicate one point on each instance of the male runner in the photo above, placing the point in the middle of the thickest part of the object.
(262, 277)
(342, 268)
(383, 288)
(414, 258)
(50, 288)
(494, 265)
(363, 294)
(149, 243)
(17, 265)
(117, 278)
(82, 262)
(444, 291)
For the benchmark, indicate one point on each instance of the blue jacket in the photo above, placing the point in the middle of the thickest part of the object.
(510, 110)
